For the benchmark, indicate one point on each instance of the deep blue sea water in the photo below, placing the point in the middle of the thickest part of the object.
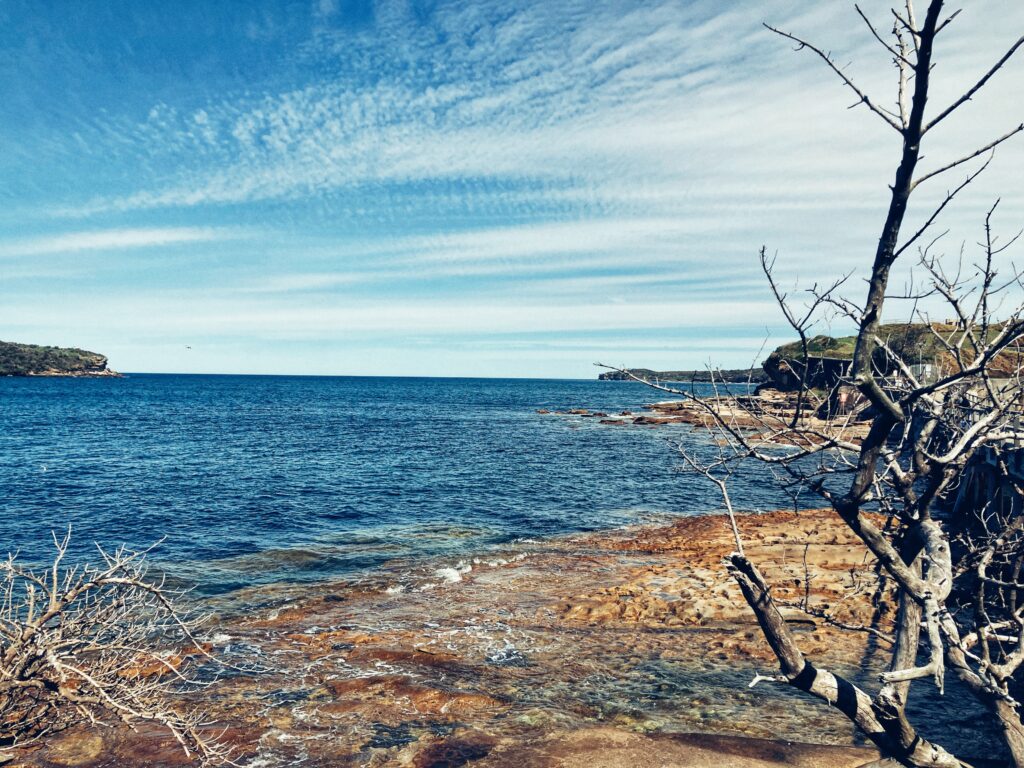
(257, 479)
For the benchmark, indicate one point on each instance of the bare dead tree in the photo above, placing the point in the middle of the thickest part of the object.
(96, 645)
(916, 443)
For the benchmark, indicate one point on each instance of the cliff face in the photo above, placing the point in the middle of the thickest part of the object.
(34, 360)
(829, 359)
(915, 343)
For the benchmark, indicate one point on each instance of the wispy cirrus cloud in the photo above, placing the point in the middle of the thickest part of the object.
(499, 167)
(184, 316)
(593, 107)
(578, 97)
(109, 240)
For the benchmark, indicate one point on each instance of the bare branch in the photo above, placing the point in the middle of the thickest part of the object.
(974, 88)
(941, 207)
(887, 116)
(949, 166)
(109, 645)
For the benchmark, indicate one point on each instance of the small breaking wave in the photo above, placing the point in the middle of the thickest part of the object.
(453, 575)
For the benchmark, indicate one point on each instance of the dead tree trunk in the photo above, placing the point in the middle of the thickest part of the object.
(968, 603)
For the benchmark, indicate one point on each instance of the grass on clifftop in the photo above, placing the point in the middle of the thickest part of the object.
(914, 342)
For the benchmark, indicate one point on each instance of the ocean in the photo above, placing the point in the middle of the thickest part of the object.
(249, 480)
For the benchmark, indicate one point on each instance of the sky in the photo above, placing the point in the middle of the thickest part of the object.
(489, 188)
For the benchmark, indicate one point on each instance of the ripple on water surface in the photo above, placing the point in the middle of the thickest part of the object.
(257, 479)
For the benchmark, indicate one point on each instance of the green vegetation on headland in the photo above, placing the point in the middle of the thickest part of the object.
(914, 342)
(918, 344)
(734, 375)
(34, 360)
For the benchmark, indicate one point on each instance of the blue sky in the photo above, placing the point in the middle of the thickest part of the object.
(434, 188)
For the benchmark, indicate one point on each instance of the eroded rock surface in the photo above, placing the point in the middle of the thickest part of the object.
(600, 650)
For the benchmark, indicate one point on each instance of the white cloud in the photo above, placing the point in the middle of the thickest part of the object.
(574, 153)
(305, 281)
(652, 125)
(223, 316)
(108, 239)
(326, 7)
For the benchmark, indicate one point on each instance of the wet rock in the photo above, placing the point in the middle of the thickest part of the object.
(646, 609)
(529, 652)
(149, 748)
(385, 737)
(652, 420)
(594, 611)
(401, 655)
(604, 747)
(75, 749)
(413, 698)
(507, 657)
(454, 751)
(322, 643)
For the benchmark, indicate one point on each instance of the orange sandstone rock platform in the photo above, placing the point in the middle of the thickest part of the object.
(630, 648)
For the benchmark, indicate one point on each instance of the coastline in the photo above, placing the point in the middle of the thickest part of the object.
(603, 649)
(105, 373)
(777, 407)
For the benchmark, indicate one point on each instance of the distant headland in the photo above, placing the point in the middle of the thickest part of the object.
(731, 376)
(34, 360)
(829, 359)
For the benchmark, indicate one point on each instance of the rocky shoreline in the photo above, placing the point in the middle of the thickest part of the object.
(749, 413)
(53, 373)
(623, 648)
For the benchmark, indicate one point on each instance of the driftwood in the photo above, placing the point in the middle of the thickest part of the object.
(96, 645)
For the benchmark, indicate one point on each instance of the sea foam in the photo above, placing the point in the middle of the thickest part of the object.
(453, 575)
